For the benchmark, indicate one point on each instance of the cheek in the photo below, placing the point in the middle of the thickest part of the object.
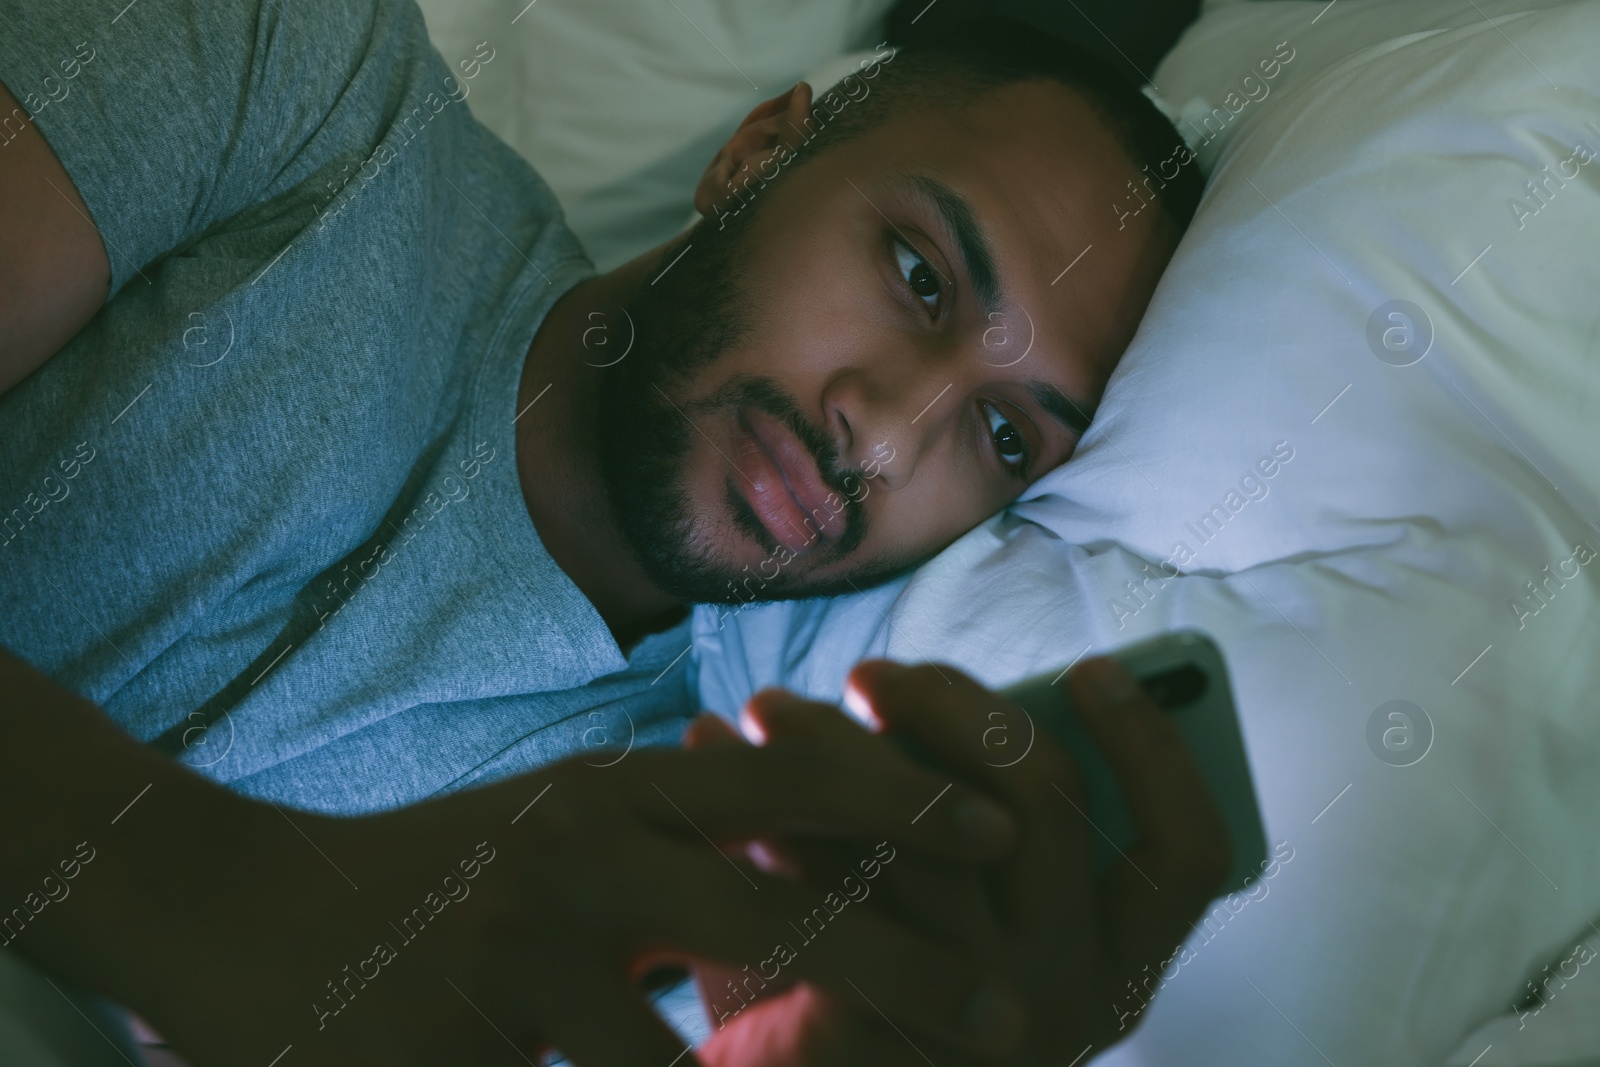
(942, 501)
(704, 480)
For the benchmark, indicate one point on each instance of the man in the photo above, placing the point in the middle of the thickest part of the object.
(322, 483)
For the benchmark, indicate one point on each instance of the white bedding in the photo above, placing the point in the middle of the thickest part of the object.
(620, 104)
(1380, 562)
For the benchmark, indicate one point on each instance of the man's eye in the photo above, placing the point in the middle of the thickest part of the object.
(1009, 443)
(918, 273)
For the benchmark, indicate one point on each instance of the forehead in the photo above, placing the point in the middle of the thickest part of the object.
(1032, 118)
(1007, 137)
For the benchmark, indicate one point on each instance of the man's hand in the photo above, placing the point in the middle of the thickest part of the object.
(479, 928)
(1070, 944)
(608, 873)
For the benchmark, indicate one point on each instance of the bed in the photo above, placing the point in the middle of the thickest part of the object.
(1374, 305)
(1349, 441)
(1362, 307)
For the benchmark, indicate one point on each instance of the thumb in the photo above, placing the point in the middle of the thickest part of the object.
(709, 729)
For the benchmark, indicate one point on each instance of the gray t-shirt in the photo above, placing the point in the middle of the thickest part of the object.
(264, 508)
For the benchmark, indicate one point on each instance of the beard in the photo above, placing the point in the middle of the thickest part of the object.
(684, 322)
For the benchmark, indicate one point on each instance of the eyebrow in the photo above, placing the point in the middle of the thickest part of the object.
(1068, 412)
(973, 246)
(971, 243)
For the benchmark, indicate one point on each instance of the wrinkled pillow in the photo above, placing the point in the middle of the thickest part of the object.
(1353, 440)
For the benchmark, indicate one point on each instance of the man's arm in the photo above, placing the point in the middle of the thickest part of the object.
(240, 929)
(54, 273)
(164, 848)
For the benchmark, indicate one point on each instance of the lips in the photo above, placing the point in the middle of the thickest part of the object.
(781, 482)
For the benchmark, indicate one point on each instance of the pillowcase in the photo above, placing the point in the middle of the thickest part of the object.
(620, 105)
(1347, 442)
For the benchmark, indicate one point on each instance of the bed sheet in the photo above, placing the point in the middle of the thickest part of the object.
(1324, 635)
(1375, 308)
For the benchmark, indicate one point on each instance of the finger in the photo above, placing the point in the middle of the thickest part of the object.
(726, 988)
(965, 727)
(775, 713)
(810, 1027)
(812, 860)
(874, 1040)
(766, 929)
(604, 1022)
(944, 901)
(809, 860)
(1181, 828)
(847, 787)
(955, 719)
(709, 729)
(1150, 898)
(948, 902)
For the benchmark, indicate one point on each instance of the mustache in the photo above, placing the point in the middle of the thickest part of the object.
(765, 395)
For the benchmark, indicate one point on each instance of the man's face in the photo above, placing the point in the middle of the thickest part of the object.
(897, 337)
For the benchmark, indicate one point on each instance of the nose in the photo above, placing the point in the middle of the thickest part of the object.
(887, 416)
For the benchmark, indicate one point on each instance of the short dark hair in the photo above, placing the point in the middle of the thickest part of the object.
(951, 66)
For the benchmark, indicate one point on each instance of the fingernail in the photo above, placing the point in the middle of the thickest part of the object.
(982, 821)
(751, 727)
(994, 1017)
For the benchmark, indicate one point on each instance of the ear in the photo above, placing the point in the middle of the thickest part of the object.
(773, 123)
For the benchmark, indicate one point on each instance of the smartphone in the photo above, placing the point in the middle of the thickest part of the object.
(1184, 673)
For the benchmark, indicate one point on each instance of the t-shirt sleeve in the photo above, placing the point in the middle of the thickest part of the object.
(173, 115)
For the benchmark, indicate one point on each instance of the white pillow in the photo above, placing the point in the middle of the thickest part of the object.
(620, 105)
(1388, 555)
